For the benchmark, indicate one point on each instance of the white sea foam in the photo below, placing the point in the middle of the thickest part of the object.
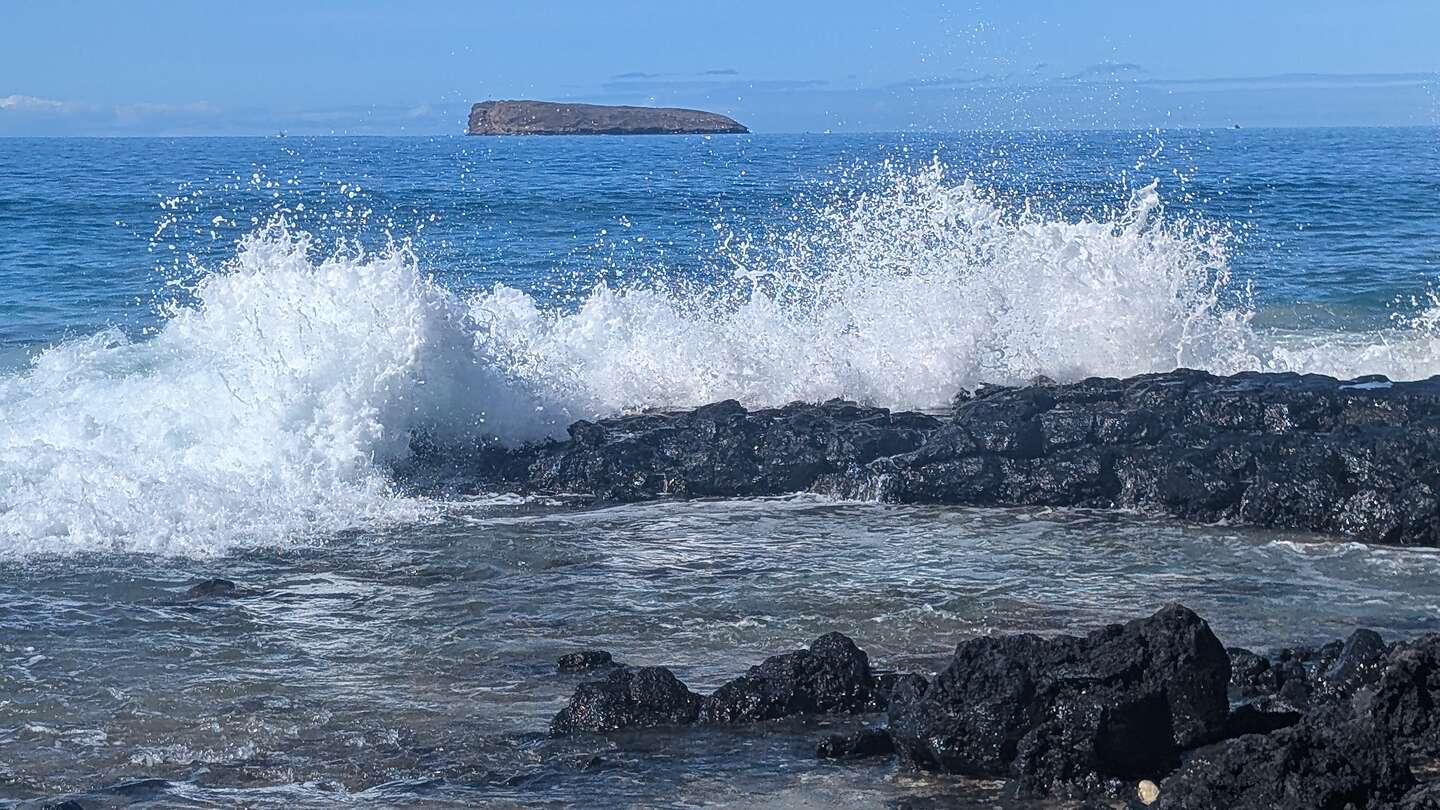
(271, 410)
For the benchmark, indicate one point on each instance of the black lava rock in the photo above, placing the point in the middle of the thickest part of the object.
(1405, 700)
(639, 698)
(1282, 450)
(892, 687)
(1260, 718)
(215, 589)
(1068, 715)
(831, 677)
(584, 661)
(870, 742)
(1359, 663)
(1250, 674)
(1422, 797)
(1307, 767)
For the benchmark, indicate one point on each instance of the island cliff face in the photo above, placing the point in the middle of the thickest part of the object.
(553, 118)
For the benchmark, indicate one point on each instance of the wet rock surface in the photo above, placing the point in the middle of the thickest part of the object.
(1294, 451)
(216, 589)
(1156, 702)
(1307, 767)
(1118, 704)
(1403, 700)
(831, 677)
(869, 742)
(639, 698)
(584, 661)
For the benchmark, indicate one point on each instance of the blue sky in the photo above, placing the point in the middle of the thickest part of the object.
(172, 67)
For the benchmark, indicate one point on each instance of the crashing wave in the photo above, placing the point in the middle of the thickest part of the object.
(273, 407)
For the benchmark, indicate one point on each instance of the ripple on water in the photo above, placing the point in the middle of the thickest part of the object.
(416, 664)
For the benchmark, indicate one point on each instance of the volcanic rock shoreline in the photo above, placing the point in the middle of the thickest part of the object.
(1349, 458)
(1151, 713)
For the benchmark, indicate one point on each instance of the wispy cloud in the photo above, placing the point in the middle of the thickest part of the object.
(33, 104)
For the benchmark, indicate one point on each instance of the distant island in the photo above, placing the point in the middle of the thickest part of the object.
(555, 118)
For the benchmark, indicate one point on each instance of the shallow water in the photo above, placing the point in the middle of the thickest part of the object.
(418, 663)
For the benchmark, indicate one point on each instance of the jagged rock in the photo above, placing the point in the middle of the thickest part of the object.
(869, 742)
(1359, 663)
(831, 677)
(1250, 673)
(1281, 450)
(1260, 718)
(894, 687)
(639, 698)
(553, 118)
(722, 450)
(1071, 715)
(1091, 717)
(1305, 767)
(1303, 677)
(584, 661)
(1404, 699)
(1422, 797)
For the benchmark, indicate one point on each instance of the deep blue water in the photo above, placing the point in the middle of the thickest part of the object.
(1338, 223)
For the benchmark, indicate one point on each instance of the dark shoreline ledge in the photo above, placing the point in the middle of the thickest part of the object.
(1355, 458)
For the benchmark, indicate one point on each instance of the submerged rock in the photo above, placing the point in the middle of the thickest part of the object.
(584, 661)
(1282, 450)
(1072, 714)
(216, 589)
(831, 677)
(869, 742)
(639, 698)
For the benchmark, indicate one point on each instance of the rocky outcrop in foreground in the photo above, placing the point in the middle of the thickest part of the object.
(1154, 712)
(1352, 458)
(552, 118)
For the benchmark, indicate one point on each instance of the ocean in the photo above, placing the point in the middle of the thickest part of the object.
(216, 356)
